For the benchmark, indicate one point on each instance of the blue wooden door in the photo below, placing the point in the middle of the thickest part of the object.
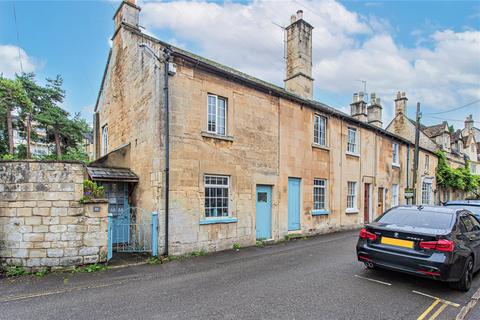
(117, 195)
(293, 204)
(263, 224)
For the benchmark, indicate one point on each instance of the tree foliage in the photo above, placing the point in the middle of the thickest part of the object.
(459, 178)
(39, 107)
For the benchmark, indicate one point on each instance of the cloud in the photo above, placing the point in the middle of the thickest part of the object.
(10, 61)
(441, 70)
(245, 36)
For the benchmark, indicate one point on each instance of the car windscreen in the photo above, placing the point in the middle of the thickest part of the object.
(473, 209)
(417, 220)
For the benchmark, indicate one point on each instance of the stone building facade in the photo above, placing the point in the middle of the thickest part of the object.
(246, 159)
(458, 146)
(42, 222)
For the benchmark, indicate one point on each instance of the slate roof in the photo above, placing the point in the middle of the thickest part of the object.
(233, 74)
(111, 174)
(456, 135)
(435, 130)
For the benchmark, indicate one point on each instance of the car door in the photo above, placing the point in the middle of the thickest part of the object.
(472, 234)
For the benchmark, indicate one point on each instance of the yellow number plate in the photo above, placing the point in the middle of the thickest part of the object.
(397, 242)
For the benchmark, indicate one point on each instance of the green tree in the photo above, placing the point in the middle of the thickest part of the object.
(67, 133)
(37, 95)
(12, 95)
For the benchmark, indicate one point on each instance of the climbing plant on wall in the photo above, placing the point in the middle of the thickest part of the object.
(457, 179)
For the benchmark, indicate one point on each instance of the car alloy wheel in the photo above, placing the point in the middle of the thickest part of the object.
(469, 274)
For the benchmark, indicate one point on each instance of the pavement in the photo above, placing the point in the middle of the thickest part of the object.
(318, 278)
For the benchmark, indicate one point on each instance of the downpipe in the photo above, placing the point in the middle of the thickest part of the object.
(167, 146)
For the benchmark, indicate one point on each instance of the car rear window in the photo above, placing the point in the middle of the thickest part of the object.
(473, 209)
(424, 219)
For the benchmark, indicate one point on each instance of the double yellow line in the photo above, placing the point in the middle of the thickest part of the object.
(432, 307)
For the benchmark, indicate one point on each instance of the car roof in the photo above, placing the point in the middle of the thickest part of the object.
(438, 209)
(475, 203)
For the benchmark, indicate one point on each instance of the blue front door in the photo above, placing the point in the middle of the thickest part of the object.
(117, 195)
(293, 204)
(264, 212)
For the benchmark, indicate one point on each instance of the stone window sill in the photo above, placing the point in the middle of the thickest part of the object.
(322, 212)
(352, 154)
(352, 210)
(206, 134)
(218, 220)
(319, 146)
(396, 165)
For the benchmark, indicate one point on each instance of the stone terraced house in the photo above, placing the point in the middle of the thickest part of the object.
(227, 158)
(458, 146)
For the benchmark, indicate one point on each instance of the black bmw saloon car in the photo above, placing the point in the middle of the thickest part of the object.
(435, 242)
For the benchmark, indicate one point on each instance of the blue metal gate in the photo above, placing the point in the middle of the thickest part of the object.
(132, 230)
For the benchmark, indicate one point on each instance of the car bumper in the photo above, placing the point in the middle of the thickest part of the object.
(439, 266)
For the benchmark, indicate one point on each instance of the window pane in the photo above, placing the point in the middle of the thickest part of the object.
(319, 194)
(320, 130)
(351, 195)
(352, 140)
(221, 109)
(212, 113)
(216, 196)
(413, 218)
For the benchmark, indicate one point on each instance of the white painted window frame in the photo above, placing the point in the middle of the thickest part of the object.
(217, 116)
(317, 133)
(427, 192)
(395, 154)
(355, 150)
(395, 195)
(352, 195)
(105, 139)
(325, 193)
(222, 186)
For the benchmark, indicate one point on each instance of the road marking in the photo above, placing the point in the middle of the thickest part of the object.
(49, 293)
(439, 310)
(373, 280)
(453, 304)
(427, 311)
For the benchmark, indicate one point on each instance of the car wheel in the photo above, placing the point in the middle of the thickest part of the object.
(466, 281)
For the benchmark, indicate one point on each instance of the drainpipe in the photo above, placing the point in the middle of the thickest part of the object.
(167, 146)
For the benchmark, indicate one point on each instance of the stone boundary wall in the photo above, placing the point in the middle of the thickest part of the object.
(42, 222)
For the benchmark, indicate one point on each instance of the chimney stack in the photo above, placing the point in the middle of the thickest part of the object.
(401, 103)
(469, 123)
(358, 107)
(374, 111)
(127, 13)
(299, 57)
